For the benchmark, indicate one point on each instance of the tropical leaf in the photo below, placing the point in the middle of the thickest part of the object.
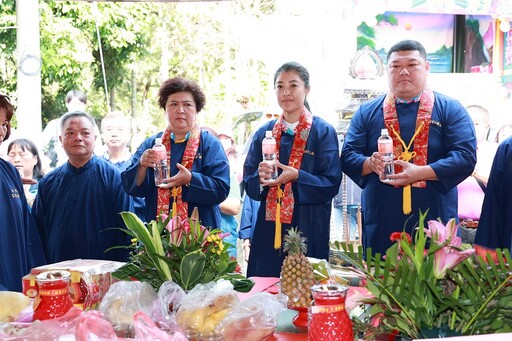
(191, 268)
(195, 256)
(469, 299)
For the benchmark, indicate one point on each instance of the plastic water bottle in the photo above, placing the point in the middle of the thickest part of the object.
(385, 145)
(161, 169)
(268, 146)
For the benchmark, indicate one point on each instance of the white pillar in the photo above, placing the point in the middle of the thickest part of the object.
(29, 70)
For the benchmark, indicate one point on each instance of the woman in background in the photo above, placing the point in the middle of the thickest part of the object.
(23, 154)
(20, 245)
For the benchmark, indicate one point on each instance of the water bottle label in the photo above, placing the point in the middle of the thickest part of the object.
(161, 154)
(268, 148)
(386, 148)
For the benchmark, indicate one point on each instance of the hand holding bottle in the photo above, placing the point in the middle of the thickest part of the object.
(288, 174)
(182, 178)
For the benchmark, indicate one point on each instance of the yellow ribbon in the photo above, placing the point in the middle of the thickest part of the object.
(406, 156)
(175, 191)
(407, 200)
(277, 236)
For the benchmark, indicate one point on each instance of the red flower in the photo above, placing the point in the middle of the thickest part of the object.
(396, 236)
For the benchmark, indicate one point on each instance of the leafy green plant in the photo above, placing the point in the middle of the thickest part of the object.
(184, 252)
(437, 285)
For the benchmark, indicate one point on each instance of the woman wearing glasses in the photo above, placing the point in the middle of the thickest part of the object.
(20, 245)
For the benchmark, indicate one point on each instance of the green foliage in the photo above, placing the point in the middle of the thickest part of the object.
(142, 44)
(184, 252)
(8, 47)
(473, 297)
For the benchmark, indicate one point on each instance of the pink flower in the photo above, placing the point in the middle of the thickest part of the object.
(447, 258)
(175, 228)
(449, 255)
(223, 235)
(194, 230)
(186, 228)
(440, 234)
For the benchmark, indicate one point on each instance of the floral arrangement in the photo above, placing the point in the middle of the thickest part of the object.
(184, 252)
(434, 287)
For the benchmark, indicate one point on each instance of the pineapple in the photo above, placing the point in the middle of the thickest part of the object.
(297, 276)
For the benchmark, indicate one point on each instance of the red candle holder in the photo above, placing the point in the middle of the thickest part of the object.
(328, 319)
(53, 298)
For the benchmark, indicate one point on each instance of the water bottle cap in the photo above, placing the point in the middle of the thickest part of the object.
(268, 133)
(384, 131)
(158, 140)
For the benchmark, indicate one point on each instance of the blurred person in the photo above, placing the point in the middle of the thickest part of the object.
(309, 176)
(79, 202)
(504, 132)
(231, 207)
(244, 102)
(24, 155)
(434, 148)
(248, 220)
(471, 191)
(75, 100)
(199, 168)
(495, 225)
(116, 135)
(20, 245)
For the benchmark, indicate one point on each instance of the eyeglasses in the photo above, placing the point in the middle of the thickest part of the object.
(270, 116)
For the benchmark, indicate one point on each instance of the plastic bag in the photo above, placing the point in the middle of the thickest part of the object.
(146, 329)
(54, 329)
(93, 326)
(170, 295)
(255, 318)
(123, 300)
(205, 306)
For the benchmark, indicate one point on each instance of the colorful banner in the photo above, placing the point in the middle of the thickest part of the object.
(501, 8)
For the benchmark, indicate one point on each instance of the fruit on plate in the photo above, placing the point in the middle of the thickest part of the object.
(297, 275)
(11, 304)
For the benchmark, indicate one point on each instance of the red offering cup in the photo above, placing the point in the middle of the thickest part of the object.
(53, 299)
(328, 319)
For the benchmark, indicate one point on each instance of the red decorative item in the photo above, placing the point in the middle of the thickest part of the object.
(53, 299)
(301, 319)
(328, 319)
